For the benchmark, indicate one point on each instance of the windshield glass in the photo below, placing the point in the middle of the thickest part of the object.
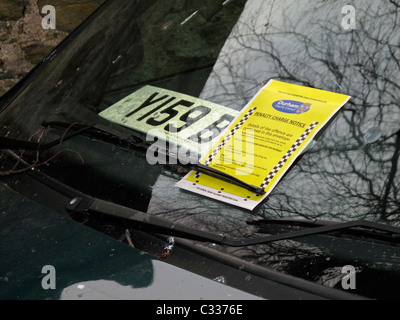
(223, 52)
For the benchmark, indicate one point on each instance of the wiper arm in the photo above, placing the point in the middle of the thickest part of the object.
(108, 134)
(118, 138)
(14, 144)
(11, 143)
(96, 207)
(227, 177)
(98, 131)
(358, 228)
(113, 136)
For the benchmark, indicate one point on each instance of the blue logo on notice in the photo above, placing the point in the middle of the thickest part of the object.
(291, 106)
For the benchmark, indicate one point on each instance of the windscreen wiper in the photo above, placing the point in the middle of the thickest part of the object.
(93, 207)
(227, 177)
(115, 137)
(110, 135)
(98, 131)
(17, 144)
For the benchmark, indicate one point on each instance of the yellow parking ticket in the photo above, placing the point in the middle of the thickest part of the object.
(263, 141)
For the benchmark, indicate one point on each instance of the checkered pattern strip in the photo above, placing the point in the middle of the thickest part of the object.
(229, 136)
(287, 155)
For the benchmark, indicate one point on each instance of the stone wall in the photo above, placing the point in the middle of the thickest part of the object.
(23, 41)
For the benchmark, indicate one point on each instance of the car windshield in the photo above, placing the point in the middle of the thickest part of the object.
(223, 52)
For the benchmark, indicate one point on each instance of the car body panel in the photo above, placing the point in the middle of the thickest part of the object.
(88, 264)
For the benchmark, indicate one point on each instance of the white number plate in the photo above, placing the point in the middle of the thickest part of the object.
(177, 118)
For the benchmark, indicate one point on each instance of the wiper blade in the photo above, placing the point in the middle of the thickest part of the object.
(14, 144)
(227, 177)
(116, 137)
(359, 228)
(97, 131)
(96, 207)
(122, 139)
